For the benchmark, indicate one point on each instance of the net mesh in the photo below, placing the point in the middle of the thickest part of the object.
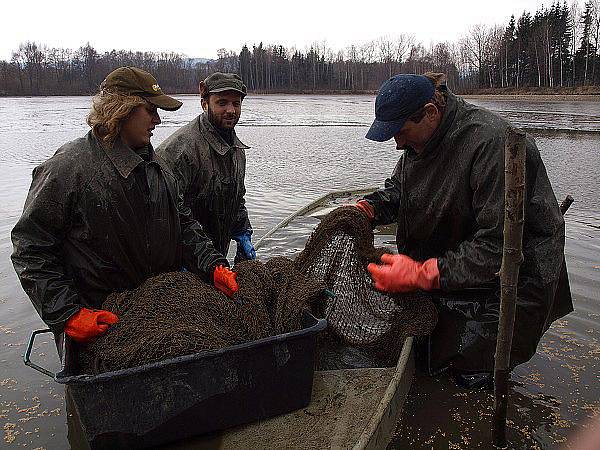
(176, 314)
(337, 254)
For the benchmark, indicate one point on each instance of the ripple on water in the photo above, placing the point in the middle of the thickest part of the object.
(291, 163)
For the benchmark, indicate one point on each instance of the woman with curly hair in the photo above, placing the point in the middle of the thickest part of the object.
(104, 214)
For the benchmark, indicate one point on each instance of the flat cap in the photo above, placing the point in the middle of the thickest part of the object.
(221, 82)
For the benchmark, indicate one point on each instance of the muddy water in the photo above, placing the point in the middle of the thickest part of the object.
(303, 146)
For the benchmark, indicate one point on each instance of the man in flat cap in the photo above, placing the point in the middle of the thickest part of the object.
(446, 196)
(209, 162)
(103, 214)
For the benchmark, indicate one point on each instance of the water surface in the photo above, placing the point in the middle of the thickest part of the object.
(302, 147)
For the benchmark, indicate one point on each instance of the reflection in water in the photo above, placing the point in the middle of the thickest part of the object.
(291, 163)
(439, 415)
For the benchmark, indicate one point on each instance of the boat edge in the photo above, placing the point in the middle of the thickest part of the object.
(378, 432)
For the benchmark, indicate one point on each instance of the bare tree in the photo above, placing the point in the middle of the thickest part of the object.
(387, 53)
(595, 34)
(33, 57)
(575, 13)
(477, 48)
(404, 43)
(18, 60)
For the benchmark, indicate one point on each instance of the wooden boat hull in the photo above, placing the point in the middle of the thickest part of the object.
(350, 408)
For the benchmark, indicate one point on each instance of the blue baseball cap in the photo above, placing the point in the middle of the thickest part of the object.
(399, 98)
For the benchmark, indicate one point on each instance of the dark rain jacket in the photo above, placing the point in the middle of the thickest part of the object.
(99, 220)
(448, 203)
(211, 175)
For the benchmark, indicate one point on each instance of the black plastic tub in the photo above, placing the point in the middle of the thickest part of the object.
(182, 397)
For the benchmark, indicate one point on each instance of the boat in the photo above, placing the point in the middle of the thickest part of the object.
(349, 408)
(355, 408)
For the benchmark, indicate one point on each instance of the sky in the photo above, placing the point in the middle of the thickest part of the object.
(199, 28)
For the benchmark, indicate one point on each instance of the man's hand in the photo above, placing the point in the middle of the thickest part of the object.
(400, 273)
(224, 280)
(245, 244)
(87, 324)
(366, 208)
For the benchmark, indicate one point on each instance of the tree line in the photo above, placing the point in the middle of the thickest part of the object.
(557, 46)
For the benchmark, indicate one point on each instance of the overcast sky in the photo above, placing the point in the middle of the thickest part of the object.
(198, 28)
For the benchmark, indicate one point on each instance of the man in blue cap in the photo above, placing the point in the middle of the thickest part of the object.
(446, 195)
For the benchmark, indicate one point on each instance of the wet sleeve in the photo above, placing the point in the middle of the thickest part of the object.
(477, 260)
(184, 166)
(199, 254)
(241, 222)
(386, 201)
(37, 240)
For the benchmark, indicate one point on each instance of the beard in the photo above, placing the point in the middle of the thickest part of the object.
(219, 122)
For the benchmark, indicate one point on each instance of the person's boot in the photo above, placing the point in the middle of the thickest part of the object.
(474, 380)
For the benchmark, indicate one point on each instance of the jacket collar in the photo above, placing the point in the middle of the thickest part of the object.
(215, 141)
(122, 157)
(433, 145)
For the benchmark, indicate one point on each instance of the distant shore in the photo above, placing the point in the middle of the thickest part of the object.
(578, 90)
(539, 97)
(587, 93)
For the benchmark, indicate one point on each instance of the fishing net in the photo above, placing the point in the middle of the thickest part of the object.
(176, 313)
(337, 254)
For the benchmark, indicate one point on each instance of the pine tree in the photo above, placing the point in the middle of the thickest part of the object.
(586, 51)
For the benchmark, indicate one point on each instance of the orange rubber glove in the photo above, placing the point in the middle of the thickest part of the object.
(367, 208)
(224, 280)
(400, 273)
(87, 324)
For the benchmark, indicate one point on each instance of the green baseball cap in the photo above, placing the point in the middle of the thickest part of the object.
(134, 81)
(221, 82)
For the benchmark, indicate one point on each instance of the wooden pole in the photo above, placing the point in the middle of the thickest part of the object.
(566, 204)
(512, 257)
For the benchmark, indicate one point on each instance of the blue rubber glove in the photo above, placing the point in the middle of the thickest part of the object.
(245, 244)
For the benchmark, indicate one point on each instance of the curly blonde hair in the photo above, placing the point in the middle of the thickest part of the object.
(439, 96)
(109, 110)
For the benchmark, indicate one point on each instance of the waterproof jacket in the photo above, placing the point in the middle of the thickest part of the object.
(99, 220)
(448, 202)
(211, 175)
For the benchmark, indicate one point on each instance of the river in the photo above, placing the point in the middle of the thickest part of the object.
(302, 147)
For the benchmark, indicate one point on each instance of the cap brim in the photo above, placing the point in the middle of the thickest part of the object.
(382, 131)
(225, 89)
(164, 102)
